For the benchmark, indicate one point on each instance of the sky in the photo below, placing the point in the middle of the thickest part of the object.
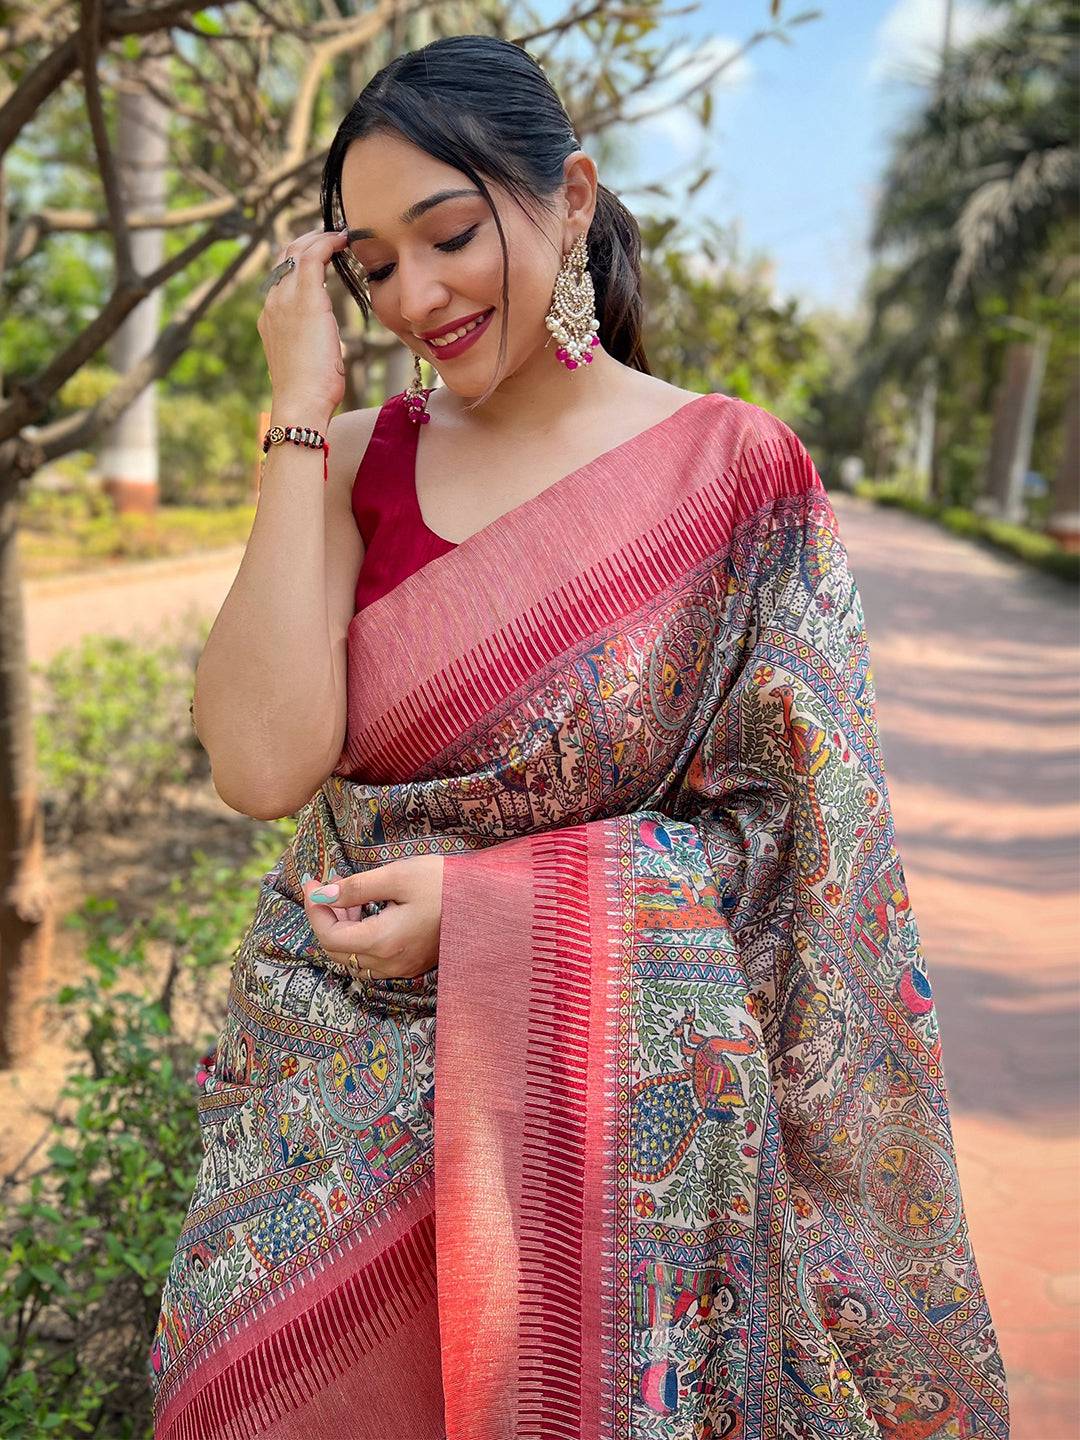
(800, 133)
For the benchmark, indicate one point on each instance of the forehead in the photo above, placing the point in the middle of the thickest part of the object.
(382, 175)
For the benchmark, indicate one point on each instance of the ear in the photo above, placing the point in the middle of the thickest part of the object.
(580, 181)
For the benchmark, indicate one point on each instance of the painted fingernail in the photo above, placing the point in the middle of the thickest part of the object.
(326, 892)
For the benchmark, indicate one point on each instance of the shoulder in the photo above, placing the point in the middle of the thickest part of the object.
(764, 446)
(347, 435)
(350, 428)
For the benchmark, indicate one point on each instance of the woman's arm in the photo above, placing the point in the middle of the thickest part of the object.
(270, 699)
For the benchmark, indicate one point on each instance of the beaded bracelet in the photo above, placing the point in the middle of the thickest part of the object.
(299, 435)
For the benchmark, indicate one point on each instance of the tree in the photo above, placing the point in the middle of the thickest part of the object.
(981, 184)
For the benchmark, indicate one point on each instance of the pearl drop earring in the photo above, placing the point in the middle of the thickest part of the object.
(571, 319)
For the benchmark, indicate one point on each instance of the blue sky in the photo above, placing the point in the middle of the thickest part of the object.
(799, 136)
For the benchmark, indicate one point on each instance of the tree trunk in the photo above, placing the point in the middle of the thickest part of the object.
(1064, 522)
(26, 923)
(128, 462)
(345, 313)
(1014, 428)
(399, 369)
(923, 464)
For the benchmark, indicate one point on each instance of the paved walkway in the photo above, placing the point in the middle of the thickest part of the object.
(976, 664)
(975, 661)
(152, 600)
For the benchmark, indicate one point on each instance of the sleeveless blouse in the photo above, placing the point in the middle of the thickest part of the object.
(387, 512)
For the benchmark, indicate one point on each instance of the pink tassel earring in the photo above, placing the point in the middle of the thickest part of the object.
(571, 319)
(416, 396)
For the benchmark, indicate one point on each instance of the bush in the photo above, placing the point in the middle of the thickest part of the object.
(87, 1240)
(113, 728)
(78, 530)
(1040, 551)
(962, 467)
(208, 448)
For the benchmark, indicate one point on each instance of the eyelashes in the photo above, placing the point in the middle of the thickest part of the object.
(458, 242)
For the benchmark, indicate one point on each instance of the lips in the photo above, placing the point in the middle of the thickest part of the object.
(457, 324)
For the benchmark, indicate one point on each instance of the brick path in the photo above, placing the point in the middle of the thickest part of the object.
(975, 661)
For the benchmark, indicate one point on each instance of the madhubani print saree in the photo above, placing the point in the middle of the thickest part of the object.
(661, 1147)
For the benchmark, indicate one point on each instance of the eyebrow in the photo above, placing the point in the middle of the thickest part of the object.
(415, 211)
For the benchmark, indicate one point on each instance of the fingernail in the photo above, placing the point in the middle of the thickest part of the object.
(326, 892)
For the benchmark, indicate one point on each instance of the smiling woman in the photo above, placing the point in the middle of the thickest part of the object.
(505, 132)
(675, 1160)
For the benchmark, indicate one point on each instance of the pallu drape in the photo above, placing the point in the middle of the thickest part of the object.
(661, 1147)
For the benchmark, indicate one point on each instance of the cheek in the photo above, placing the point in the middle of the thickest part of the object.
(532, 281)
(480, 273)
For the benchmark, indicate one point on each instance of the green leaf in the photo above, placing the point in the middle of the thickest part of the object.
(48, 1276)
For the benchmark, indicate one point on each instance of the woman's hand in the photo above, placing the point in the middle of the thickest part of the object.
(300, 334)
(402, 939)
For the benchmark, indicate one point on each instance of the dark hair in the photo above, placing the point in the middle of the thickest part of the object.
(484, 106)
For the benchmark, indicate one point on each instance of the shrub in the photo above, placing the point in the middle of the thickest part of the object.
(208, 448)
(112, 729)
(87, 1240)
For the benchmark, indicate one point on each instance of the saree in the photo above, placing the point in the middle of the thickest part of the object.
(661, 1145)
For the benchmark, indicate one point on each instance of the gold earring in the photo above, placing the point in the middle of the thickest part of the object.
(571, 319)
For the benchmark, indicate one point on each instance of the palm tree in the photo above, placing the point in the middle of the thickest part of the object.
(980, 185)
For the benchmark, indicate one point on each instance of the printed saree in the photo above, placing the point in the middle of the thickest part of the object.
(675, 1162)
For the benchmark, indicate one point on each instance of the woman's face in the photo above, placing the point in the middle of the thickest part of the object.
(446, 264)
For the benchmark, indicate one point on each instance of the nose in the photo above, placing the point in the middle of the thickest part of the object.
(422, 299)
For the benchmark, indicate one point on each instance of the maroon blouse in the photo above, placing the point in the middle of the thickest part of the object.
(396, 540)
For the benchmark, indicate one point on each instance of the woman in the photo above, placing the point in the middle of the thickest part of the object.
(608, 782)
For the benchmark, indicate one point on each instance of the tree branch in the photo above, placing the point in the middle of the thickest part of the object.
(50, 73)
(110, 181)
(75, 432)
(30, 398)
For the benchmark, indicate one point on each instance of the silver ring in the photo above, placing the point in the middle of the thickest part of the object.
(278, 272)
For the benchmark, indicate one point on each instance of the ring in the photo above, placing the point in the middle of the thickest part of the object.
(352, 957)
(278, 272)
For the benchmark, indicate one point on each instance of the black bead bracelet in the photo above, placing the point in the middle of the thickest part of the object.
(298, 435)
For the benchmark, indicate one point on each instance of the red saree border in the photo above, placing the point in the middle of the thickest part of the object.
(631, 540)
(261, 1373)
(531, 924)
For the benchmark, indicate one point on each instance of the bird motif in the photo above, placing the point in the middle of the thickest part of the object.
(667, 1110)
(810, 754)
